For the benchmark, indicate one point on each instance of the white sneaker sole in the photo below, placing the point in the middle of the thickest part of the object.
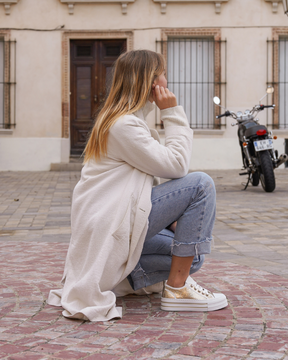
(219, 302)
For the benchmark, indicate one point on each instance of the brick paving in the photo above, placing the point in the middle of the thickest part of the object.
(248, 264)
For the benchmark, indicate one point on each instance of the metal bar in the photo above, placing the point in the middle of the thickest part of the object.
(285, 42)
(179, 72)
(225, 77)
(196, 85)
(208, 71)
(184, 103)
(156, 118)
(3, 110)
(273, 62)
(9, 86)
(273, 65)
(184, 38)
(202, 83)
(15, 46)
(191, 88)
(173, 67)
(267, 120)
(195, 82)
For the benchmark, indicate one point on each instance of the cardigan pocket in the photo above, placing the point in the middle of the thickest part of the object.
(124, 230)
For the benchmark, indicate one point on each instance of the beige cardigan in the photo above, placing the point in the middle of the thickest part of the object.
(110, 208)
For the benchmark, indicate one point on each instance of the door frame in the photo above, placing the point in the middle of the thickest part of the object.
(65, 83)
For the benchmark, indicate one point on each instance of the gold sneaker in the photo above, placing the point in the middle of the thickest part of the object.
(191, 297)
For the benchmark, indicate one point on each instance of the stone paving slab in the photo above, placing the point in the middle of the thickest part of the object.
(251, 226)
(247, 264)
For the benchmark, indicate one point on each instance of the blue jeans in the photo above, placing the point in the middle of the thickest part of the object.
(191, 201)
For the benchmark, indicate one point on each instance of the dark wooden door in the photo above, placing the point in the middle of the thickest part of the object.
(91, 73)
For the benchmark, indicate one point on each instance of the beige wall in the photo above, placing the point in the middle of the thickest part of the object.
(246, 24)
(141, 14)
(38, 102)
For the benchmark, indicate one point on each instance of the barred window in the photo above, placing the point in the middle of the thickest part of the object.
(7, 84)
(2, 82)
(277, 76)
(194, 76)
(283, 83)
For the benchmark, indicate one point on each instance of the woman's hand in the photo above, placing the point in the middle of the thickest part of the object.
(163, 98)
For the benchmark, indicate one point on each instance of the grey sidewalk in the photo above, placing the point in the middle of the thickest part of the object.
(251, 227)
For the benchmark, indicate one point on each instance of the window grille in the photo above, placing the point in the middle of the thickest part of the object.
(277, 76)
(7, 84)
(194, 76)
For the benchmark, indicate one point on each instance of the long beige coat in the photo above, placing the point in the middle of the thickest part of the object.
(110, 208)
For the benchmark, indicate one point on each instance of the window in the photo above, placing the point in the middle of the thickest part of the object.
(283, 83)
(194, 76)
(2, 82)
(7, 83)
(277, 76)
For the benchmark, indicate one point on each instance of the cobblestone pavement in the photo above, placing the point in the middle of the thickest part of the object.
(248, 264)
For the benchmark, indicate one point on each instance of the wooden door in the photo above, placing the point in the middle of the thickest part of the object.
(91, 73)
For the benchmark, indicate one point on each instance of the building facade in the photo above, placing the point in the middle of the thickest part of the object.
(56, 58)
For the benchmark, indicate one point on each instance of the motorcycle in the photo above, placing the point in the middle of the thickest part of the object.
(256, 143)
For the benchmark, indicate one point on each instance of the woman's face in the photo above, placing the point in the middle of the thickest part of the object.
(161, 80)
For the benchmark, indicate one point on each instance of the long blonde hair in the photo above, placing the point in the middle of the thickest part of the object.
(134, 73)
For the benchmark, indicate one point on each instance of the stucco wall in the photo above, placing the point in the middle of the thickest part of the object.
(245, 24)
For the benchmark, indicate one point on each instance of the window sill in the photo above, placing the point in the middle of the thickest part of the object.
(6, 131)
(208, 132)
(282, 132)
(71, 3)
(202, 132)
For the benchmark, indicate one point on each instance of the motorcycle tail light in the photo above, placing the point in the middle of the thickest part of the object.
(245, 144)
(275, 137)
(261, 132)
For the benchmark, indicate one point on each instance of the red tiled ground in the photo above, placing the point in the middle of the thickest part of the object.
(254, 326)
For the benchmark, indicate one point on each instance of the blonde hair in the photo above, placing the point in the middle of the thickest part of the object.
(134, 73)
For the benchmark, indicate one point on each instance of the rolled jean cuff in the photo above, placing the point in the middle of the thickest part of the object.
(191, 249)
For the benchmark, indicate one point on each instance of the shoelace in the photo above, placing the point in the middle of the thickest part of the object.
(199, 288)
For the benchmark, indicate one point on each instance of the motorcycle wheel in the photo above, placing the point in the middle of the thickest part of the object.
(267, 177)
(255, 179)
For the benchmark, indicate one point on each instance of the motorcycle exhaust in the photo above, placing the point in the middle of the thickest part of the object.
(282, 158)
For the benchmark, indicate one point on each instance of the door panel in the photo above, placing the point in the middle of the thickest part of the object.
(83, 87)
(91, 75)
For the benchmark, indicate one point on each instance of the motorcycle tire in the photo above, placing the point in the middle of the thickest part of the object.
(255, 179)
(267, 176)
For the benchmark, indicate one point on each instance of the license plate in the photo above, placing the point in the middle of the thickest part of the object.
(263, 145)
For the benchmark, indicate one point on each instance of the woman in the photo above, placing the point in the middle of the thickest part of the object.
(119, 222)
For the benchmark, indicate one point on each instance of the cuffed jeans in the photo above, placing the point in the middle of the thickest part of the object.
(191, 201)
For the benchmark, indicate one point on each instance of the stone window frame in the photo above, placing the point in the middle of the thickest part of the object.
(209, 32)
(81, 35)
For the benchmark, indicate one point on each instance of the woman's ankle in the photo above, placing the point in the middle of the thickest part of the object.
(175, 284)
